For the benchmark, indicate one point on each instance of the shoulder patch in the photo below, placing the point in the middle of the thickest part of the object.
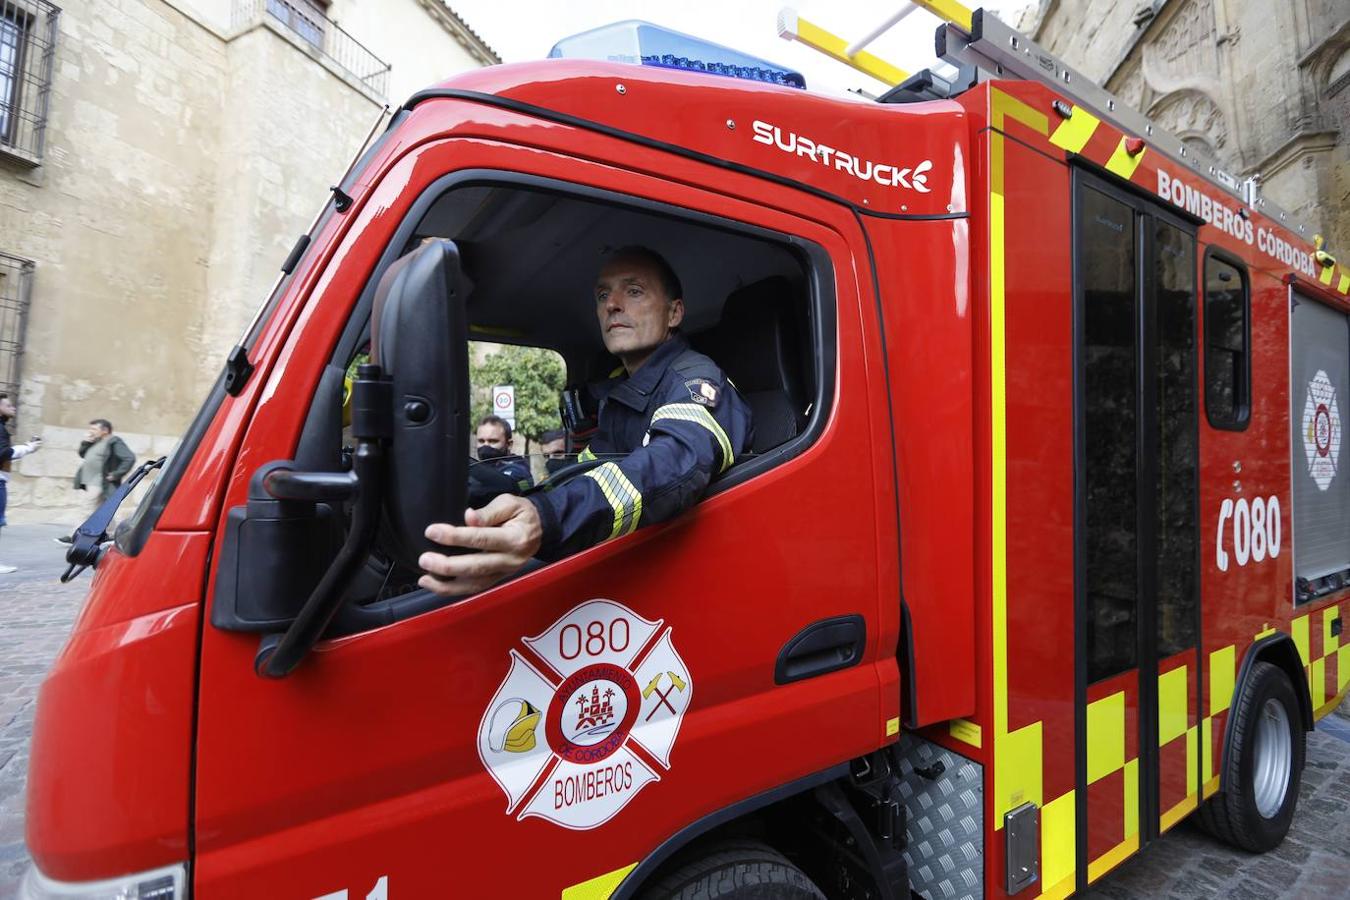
(704, 392)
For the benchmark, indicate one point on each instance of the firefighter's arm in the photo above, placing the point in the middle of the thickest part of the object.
(686, 447)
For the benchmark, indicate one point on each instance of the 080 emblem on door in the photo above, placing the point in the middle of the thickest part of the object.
(587, 715)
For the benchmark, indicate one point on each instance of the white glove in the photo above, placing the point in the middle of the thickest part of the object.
(22, 450)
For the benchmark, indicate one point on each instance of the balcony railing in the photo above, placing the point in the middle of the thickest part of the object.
(308, 22)
(27, 48)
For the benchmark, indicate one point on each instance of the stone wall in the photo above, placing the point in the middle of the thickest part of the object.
(187, 147)
(1264, 87)
(117, 220)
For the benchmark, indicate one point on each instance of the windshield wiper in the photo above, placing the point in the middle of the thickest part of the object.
(88, 540)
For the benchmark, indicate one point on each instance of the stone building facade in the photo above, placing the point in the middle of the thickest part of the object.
(158, 158)
(1261, 85)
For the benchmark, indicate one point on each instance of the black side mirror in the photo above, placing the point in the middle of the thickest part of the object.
(419, 338)
(410, 426)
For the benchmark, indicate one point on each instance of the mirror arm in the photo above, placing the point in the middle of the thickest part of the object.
(288, 484)
(279, 654)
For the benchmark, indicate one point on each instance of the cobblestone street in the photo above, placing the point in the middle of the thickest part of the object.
(1313, 862)
(36, 611)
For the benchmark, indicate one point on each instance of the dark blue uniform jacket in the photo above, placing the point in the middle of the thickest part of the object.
(513, 467)
(665, 431)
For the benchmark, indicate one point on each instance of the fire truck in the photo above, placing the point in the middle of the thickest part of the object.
(1042, 545)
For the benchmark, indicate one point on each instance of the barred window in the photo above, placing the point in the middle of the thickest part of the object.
(16, 279)
(27, 44)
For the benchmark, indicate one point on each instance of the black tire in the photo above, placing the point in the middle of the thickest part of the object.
(735, 870)
(1233, 815)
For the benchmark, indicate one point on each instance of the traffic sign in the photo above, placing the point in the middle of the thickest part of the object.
(504, 402)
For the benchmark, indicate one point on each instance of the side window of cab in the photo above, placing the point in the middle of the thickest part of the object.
(530, 256)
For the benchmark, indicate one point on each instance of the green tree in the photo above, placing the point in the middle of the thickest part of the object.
(537, 375)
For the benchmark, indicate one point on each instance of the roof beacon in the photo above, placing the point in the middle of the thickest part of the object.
(651, 45)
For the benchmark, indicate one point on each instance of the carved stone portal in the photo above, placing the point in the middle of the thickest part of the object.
(1196, 119)
(1184, 55)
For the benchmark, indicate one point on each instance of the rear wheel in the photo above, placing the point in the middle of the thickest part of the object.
(735, 870)
(1264, 765)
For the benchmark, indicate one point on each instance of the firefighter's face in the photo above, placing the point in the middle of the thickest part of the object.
(635, 314)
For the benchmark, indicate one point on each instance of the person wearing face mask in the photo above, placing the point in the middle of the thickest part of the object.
(668, 422)
(553, 447)
(494, 449)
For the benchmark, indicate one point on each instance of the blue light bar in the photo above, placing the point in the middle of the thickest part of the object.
(651, 45)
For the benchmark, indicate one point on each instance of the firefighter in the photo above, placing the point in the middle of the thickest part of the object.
(494, 451)
(669, 421)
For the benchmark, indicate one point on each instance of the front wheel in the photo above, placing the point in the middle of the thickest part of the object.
(1264, 766)
(735, 870)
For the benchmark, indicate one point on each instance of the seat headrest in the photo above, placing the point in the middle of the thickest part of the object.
(755, 342)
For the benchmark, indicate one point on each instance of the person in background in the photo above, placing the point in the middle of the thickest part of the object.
(494, 449)
(9, 452)
(553, 447)
(107, 460)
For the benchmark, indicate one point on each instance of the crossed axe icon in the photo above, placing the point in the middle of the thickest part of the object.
(662, 697)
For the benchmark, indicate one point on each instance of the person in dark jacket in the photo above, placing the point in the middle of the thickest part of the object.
(668, 422)
(494, 451)
(9, 452)
(107, 460)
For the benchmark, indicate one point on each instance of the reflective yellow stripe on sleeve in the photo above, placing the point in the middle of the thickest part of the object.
(625, 499)
(692, 412)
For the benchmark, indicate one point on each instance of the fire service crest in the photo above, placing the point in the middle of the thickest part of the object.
(587, 715)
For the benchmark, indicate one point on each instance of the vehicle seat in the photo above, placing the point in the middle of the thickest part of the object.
(758, 345)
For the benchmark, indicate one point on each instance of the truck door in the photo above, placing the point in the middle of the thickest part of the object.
(1137, 543)
(430, 756)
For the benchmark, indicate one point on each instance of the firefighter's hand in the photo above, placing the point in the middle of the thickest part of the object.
(506, 533)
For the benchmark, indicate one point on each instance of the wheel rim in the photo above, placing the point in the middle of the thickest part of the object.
(1274, 758)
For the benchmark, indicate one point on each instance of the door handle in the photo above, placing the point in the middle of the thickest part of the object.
(822, 647)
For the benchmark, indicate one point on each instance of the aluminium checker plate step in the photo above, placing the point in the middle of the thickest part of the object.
(944, 833)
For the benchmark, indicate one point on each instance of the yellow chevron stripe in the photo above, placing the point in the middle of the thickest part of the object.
(1122, 163)
(1075, 131)
(1344, 285)
(692, 412)
(1327, 272)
